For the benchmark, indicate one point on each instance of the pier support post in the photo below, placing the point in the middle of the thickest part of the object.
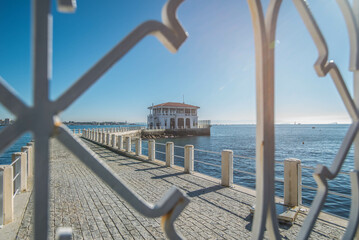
(138, 146)
(151, 150)
(128, 144)
(120, 142)
(292, 182)
(170, 149)
(8, 188)
(188, 158)
(227, 168)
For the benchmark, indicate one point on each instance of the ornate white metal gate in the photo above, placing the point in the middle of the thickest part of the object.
(42, 121)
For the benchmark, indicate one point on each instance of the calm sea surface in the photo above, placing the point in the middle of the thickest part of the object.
(312, 144)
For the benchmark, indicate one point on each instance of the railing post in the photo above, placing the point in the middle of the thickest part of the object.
(151, 150)
(113, 140)
(120, 142)
(17, 169)
(188, 158)
(23, 173)
(292, 182)
(108, 139)
(170, 149)
(103, 140)
(8, 189)
(29, 164)
(227, 168)
(99, 135)
(128, 144)
(138, 146)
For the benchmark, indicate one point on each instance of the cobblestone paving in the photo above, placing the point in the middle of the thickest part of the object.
(82, 201)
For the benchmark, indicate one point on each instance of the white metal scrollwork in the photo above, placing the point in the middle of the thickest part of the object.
(264, 33)
(42, 121)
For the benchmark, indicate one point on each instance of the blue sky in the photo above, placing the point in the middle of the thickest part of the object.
(213, 69)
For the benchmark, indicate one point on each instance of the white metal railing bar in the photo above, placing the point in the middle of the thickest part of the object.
(206, 151)
(178, 146)
(329, 192)
(207, 163)
(163, 144)
(14, 162)
(160, 152)
(178, 156)
(238, 156)
(313, 168)
(18, 174)
(16, 192)
(242, 171)
(279, 180)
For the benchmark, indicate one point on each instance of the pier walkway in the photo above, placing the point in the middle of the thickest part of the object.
(80, 200)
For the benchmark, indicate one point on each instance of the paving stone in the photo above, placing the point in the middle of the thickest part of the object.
(79, 199)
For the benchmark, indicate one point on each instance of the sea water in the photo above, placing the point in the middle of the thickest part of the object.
(312, 144)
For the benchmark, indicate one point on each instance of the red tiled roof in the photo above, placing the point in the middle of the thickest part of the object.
(174, 104)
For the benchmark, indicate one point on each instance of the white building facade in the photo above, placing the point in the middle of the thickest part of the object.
(172, 115)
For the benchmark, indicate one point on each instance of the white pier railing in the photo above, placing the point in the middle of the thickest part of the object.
(188, 156)
(14, 179)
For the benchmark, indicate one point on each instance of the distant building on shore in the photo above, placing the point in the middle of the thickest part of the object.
(172, 115)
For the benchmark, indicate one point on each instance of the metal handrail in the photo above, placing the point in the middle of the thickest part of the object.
(178, 156)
